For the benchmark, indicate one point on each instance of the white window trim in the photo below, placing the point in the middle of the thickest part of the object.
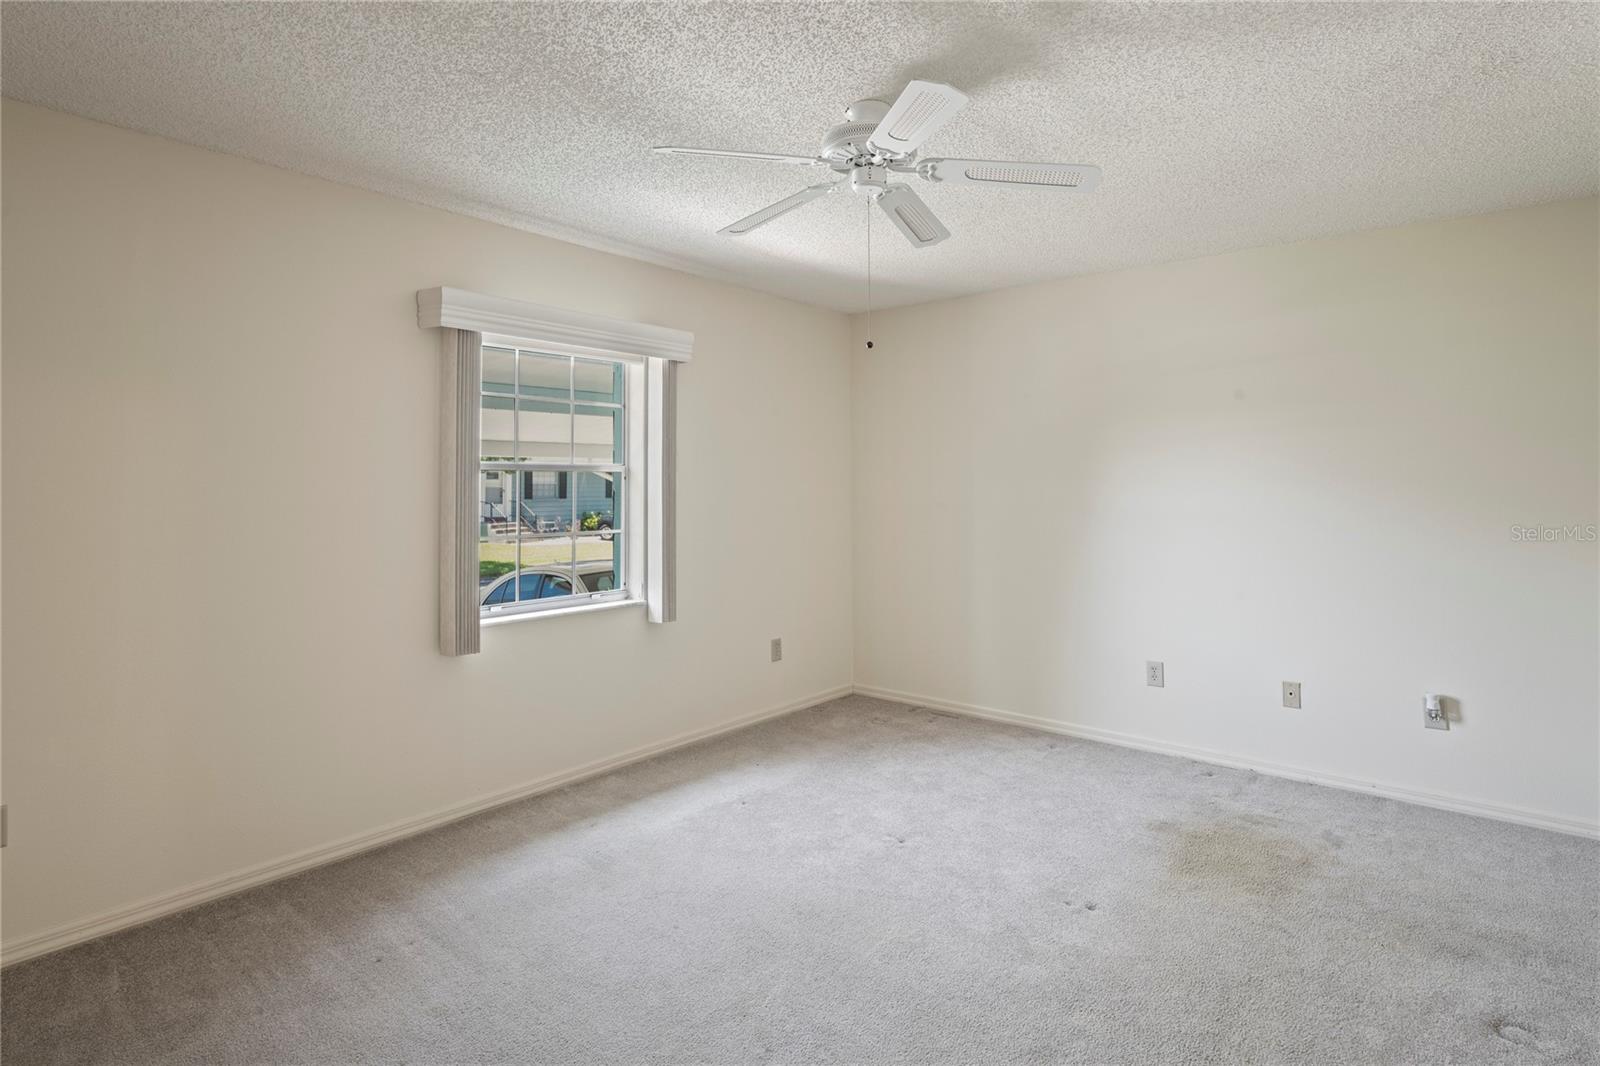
(489, 622)
(555, 329)
(467, 320)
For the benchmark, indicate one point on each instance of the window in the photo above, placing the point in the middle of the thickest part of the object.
(553, 453)
(544, 484)
(557, 473)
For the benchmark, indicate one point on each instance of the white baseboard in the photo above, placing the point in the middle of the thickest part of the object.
(172, 902)
(1422, 797)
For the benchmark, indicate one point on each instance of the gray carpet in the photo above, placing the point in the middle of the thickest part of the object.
(864, 882)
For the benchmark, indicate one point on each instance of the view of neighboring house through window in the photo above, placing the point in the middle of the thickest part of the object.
(552, 466)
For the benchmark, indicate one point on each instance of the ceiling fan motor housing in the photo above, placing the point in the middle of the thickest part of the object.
(847, 142)
(844, 143)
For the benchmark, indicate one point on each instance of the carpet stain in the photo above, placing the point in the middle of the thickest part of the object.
(1237, 856)
(1511, 1032)
(1519, 1035)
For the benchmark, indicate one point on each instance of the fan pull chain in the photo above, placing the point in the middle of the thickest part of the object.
(869, 272)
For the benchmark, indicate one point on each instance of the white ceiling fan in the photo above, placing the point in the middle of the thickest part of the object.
(876, 141)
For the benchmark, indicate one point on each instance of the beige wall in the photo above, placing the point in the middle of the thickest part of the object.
(220, 633)
(1296, 463)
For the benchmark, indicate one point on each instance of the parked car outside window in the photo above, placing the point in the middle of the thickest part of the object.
(546, 582)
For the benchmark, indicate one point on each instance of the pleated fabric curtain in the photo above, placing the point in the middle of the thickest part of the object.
(459, 413)
(661, 465)
(669, 494)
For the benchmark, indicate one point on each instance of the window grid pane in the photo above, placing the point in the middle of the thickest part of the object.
(562, 522)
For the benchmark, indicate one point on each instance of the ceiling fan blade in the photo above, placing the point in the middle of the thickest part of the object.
(912, 217)
(1076, 177)
(782, 207)
(922, 108)
(723, 153)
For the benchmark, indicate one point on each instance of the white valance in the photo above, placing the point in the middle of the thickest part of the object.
(556, 329)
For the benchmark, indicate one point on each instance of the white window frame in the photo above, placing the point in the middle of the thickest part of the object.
(467, 321)
(631, 504)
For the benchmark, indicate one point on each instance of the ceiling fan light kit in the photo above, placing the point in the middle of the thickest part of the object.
(878, 141)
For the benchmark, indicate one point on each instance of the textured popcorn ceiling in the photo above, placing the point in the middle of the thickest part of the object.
(1218, 126)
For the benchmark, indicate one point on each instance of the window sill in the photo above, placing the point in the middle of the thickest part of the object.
(556, 612)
